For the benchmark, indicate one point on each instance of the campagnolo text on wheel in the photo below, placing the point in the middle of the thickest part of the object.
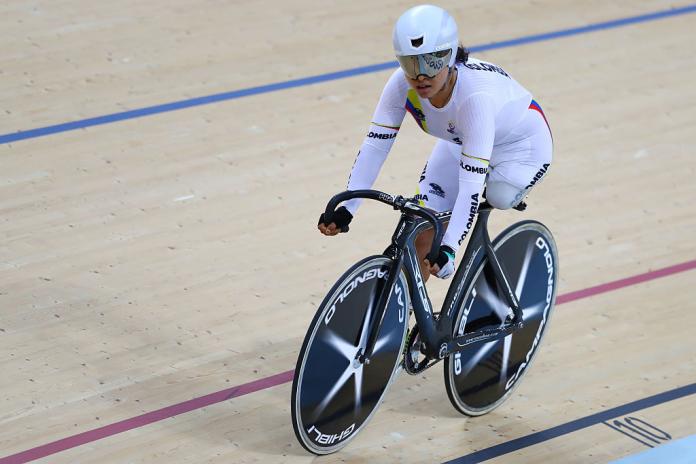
(493, 146)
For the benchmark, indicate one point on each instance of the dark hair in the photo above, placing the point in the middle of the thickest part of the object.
(462, 54)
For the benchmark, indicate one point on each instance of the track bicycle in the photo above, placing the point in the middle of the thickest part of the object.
(494, 315)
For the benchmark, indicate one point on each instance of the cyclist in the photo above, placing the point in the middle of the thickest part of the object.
(490, 132)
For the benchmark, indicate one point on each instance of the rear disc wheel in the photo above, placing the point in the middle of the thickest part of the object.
(481, 377)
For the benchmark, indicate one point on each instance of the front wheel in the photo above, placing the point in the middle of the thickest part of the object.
(334, 394)
(483, 376)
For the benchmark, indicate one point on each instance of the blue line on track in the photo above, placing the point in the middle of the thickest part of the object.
(232, 95)
(573, 426)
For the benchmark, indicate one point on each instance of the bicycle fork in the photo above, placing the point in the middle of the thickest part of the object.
(402, 248)
(377, 317)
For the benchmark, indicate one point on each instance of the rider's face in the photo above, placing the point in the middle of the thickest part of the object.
(428, 87)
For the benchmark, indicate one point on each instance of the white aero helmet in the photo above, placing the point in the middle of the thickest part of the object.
(425, 40)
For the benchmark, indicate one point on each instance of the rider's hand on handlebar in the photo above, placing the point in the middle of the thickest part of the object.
(336, 222)
(444, 266)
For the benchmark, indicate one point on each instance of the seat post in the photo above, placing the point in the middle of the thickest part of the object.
(481, 228)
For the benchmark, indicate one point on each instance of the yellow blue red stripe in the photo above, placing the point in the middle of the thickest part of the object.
(535, 106)
(413, 106)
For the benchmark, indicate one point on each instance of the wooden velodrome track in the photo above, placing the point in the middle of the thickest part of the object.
(159, 272)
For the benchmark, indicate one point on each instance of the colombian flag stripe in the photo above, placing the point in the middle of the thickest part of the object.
(484, 161)
(535, 106)
(413, 106)
(387, 127)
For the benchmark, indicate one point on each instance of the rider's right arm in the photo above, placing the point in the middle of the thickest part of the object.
(386, 122)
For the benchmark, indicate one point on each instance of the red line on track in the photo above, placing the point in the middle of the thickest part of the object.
(147, 418)
(278, 379)
(628, 281)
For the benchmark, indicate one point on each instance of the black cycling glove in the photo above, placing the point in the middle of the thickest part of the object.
(341, 217)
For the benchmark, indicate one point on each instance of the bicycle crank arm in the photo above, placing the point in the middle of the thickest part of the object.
(480, 336)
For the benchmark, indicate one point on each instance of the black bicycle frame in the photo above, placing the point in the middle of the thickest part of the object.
(480, 238)
(435, 333)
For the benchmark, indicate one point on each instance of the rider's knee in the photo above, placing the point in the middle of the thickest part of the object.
(502, 195)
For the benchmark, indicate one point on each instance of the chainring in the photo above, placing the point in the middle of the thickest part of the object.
(414, 361)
